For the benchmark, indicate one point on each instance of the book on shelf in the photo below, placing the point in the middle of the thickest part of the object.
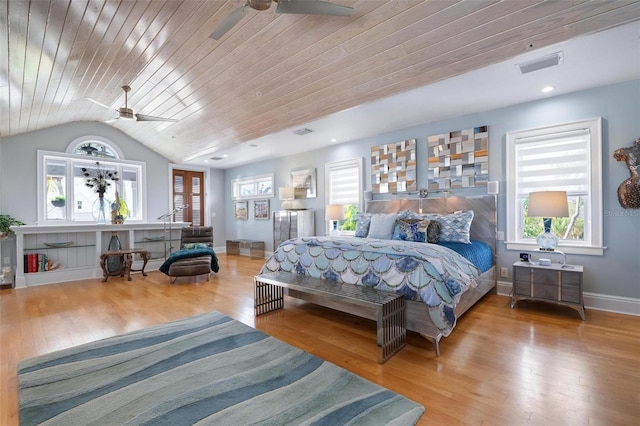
(36, 262)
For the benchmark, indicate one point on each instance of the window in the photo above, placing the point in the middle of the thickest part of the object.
(64, 197)
(344, 186)
(253, 187)
(565, 157)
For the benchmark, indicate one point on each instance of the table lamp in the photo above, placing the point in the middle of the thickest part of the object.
(334, 214)
(547, 205)
(286, 194)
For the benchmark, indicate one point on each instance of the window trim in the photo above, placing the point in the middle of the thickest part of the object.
(252, 180)
(594, 221)
(41, 184)
(357, 162)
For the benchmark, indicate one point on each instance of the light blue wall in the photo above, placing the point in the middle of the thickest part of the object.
(616, 273)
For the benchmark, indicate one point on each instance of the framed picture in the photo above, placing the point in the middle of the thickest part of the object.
(261, 209)
(241, 210)
(304, 182)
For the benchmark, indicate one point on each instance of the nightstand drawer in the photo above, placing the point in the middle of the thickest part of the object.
(522, 288)
(571, 279)
(546, 291)
(570, 294)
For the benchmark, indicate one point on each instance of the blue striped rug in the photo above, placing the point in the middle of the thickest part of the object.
(208, 368)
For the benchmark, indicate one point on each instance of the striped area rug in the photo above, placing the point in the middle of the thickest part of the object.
(207, 369)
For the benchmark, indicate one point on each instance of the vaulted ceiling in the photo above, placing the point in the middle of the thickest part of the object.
(269, 73)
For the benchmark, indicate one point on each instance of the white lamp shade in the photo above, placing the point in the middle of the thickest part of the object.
(548, 204)
(286, 193)
(335, 212)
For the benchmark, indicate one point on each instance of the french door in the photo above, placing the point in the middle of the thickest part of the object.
(188, 189)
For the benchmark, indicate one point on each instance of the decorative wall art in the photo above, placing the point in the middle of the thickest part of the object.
(393, 167)
(459, 159)
(304, 183)
(629, 190)
(261, 209)
(241, 210)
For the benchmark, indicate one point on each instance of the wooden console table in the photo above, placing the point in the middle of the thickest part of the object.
(127, 260)
(256, 248)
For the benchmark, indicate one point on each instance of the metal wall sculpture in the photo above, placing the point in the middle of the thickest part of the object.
(393, 167)
(629, 190)
(459, 159)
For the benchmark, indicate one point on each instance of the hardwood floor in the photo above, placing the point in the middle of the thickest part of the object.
(534, 365)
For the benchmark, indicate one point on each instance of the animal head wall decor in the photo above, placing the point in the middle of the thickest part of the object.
(629, 190)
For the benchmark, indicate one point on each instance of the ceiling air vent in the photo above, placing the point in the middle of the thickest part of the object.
(540, 63)
(217, 158)
(303, 131)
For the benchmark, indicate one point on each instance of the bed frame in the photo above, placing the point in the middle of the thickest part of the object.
(483, 228)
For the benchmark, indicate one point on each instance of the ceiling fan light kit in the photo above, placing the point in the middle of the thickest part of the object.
(300, 7)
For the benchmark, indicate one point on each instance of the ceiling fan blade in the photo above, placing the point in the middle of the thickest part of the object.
(101, 104)
(142, 117)
(229, 22)
(313, 7)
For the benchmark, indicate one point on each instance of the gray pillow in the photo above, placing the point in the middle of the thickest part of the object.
(382, 226)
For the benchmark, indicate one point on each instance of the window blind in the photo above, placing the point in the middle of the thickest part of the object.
(557, 162)
(344, 184)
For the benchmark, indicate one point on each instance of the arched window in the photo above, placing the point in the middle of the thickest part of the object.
(63, 195)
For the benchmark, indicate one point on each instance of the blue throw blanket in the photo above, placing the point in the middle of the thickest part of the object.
(188, 254)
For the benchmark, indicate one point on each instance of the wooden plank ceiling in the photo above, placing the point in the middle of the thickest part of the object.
(271, 72)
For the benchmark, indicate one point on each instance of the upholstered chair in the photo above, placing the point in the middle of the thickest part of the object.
(193, 266)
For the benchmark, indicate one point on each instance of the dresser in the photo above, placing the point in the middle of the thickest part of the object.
(292, 224)
(555, 283)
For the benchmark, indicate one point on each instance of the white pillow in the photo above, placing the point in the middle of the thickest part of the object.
(382, 226)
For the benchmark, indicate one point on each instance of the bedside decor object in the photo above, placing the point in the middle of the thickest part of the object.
(547, 205)
(60, 244)
(241, 211)
(459, 159)
(261, 209)
(114, 263)
(286, 194)
(334, 214)
(629, 190)
(393, 167)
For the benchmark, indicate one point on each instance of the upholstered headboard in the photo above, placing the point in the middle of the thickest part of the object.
(483, 227)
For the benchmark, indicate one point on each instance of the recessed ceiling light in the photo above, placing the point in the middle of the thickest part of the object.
(206, 161)
(547, 89)
(334, 140)
(224, 155)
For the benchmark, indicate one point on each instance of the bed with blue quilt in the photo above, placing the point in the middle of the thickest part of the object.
(439, 280)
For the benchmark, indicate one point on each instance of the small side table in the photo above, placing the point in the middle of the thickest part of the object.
(126, 256)
(556, 283)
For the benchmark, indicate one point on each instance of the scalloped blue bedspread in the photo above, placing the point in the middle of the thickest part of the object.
(434, 274)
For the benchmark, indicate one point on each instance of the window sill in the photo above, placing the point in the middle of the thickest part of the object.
(567, 249)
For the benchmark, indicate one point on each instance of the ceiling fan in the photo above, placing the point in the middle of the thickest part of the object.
(302, 7)
(126, 113)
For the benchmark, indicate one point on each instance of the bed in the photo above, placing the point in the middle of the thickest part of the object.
(439, 281)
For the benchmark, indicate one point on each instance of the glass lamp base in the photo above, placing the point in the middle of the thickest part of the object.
(547, 241)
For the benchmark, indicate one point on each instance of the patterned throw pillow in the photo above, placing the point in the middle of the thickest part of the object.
(455, 227)
(362, 225)
(411, 230)
(433, 232)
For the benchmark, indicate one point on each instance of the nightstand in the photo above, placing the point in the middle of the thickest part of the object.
(556, 283)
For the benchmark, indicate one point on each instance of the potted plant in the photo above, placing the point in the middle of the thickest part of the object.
(5, 222)
(58, 201)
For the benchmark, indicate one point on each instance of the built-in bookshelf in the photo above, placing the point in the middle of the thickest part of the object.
(75, 249)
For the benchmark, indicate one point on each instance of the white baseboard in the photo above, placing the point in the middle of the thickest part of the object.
(599, 302)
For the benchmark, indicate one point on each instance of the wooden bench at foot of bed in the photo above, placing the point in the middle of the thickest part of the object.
(387, 309)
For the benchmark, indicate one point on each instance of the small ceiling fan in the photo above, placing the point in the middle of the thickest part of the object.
(126, 113)
(302, 7)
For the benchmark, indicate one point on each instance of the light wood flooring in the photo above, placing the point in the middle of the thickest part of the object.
(534, 365)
